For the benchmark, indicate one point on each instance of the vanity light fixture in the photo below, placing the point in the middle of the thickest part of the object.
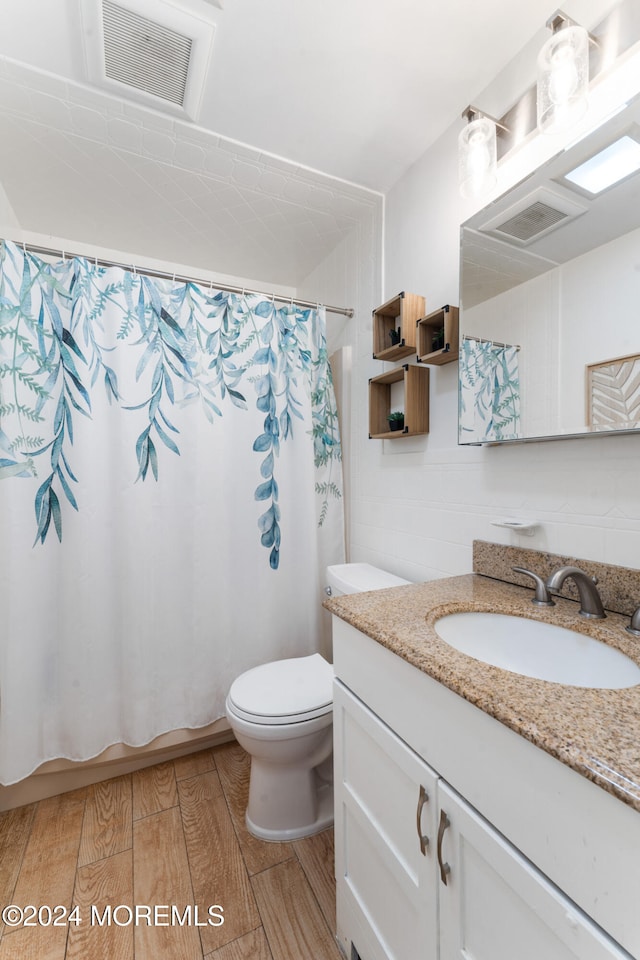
(563, 75)
(609, 166)
(568, 61)
(477, 153)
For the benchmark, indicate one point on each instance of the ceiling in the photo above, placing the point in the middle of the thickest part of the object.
(310, 111)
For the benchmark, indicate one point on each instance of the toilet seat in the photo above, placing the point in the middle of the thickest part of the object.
(284, 691)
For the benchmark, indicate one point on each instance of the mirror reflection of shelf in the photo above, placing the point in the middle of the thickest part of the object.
(438, 340)
(415, 382)
(394, 326)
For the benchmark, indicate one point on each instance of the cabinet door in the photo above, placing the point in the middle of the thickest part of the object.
(495, 905)
(384, 829)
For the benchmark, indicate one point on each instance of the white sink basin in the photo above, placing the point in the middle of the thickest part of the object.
(536, 649)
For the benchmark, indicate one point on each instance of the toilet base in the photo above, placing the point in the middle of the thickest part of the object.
(323, 820)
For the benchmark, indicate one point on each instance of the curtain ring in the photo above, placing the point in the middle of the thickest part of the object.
(174, 276)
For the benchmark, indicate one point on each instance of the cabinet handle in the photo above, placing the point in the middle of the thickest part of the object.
(445, 869)
(423, 798)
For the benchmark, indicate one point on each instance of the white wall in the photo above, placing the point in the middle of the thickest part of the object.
(600, 315)
(418, 503)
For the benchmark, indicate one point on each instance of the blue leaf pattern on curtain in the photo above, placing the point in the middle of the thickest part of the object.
(192, 346)
(489, 392)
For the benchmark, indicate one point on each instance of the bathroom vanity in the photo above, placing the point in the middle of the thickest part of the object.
(478, 809)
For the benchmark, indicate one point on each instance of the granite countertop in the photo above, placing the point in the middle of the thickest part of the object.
(594, 731)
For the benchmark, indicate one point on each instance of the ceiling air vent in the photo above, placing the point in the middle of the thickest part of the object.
(533, 217)
(530, 222)
(151, 51)
(144, 54)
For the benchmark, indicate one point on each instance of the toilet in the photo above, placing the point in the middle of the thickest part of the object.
(282, 714)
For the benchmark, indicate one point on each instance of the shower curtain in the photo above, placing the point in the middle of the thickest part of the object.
(489, 392)
(170, 492)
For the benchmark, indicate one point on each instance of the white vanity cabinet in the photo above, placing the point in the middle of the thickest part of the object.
(385, 836)
(496, 905)
(421, 873)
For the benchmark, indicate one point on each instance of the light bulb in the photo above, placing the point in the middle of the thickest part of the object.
(563, 79)
(477, 163)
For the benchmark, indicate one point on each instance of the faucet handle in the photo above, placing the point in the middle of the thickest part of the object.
(541, 597)
(634, 625)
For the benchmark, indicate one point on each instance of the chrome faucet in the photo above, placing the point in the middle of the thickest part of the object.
(590, 602)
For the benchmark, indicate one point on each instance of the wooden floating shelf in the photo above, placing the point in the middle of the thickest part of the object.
(401, 314)
(442, 324)
(416, 402)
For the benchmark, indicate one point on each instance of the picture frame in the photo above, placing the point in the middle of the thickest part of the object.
(613, 393)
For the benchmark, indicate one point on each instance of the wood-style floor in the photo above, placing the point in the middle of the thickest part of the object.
(172, 834)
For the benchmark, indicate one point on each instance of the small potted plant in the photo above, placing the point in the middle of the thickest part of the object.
(437, 339)
(396, 420)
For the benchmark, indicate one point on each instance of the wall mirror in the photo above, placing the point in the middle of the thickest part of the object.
(550, 297)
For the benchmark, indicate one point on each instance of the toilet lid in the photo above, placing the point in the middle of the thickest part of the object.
(285, 691)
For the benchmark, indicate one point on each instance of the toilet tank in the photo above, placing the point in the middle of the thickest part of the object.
(356, 577)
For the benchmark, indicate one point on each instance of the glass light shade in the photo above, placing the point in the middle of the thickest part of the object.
(477, 158)
(563, 79)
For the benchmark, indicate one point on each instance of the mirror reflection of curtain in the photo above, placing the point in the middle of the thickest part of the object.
(171, 490)
(489, 392)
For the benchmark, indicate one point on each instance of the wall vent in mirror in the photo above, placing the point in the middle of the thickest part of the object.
(535, 219)
(535, 215)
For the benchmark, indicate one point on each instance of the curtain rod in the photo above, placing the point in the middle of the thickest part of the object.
(494, 343)
(47, 251)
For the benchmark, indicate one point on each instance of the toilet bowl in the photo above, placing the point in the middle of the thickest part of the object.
(282, 714)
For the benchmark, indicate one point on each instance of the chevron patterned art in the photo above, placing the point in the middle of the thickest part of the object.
(613, 393)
